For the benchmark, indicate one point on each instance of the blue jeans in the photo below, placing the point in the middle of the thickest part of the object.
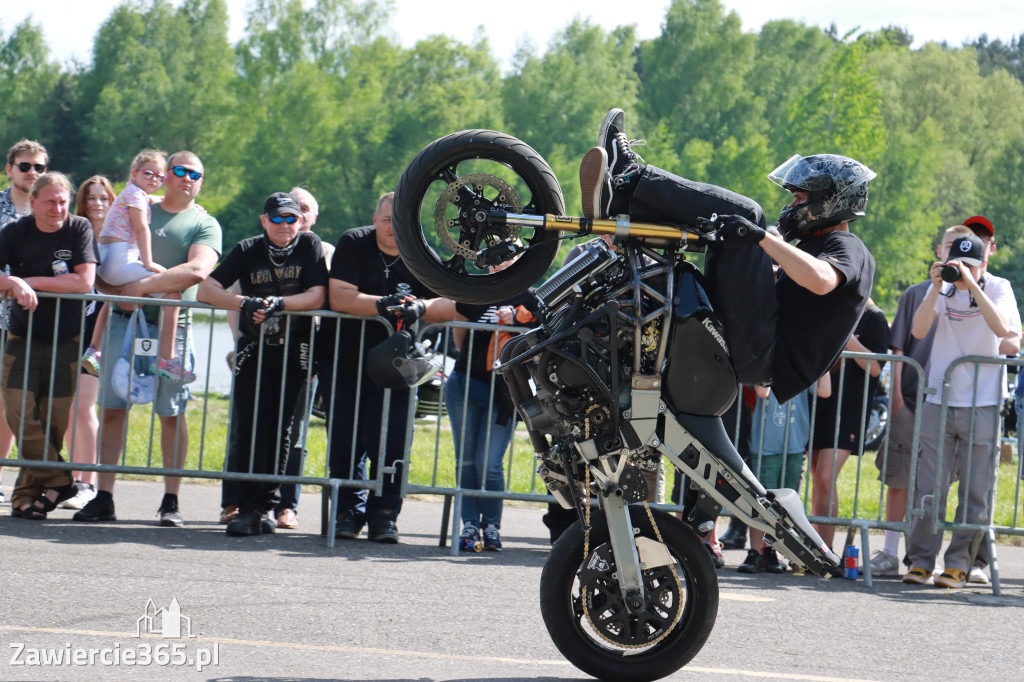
(480, 445)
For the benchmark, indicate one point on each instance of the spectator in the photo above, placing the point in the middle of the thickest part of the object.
(972, 315)
(126, 252)
(778, 446)
(26, 161)
(368, 278)
(281, 270)
(94, 198)
(839, 419)
(46, 250)
(187, 242)
(482, 415)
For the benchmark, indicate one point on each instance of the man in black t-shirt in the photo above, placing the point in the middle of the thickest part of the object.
(46, 250)
(785, 331)
(369, 279)
(280, 270)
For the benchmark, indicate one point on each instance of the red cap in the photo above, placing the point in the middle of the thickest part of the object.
(982, 222)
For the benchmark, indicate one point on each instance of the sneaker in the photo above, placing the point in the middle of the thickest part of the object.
(883, 564)
(469, 539)
(623, 162)
(734, 540)
(86, 492)
(595, 184)
(492, 540)
(716, 555)
(268, 526)
(349, 526)
(228, 514)
(754, 563)
(952, 578)
(771, 561)
(287, 518)
(100, 508)
(383, 530)
(91, 361)
(174, 371)
(918, 576)
(246, 523)
(977, 576)
(170, 517)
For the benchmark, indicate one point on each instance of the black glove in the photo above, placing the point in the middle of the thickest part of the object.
(413, 311)
(737, 227)
(246, 325)
(273, 304)
(389, 301)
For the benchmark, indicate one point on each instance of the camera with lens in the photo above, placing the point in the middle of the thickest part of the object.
(950, 273)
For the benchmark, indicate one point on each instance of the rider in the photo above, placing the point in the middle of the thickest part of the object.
(786, 330)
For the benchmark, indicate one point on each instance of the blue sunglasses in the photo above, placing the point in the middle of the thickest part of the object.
(278, 219)
(181, 172)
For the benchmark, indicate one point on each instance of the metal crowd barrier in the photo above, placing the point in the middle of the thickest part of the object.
(515, 455)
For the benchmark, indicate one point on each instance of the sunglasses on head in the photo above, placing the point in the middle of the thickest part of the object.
(181, 172)
(278, 219)
(153, 174)
(25, 167)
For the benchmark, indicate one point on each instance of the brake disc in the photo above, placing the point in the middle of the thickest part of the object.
(506, 199)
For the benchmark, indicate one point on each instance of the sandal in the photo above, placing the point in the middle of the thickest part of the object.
(30, 512)
(64, 492)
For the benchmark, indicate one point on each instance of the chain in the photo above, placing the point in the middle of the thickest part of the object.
(586, 554)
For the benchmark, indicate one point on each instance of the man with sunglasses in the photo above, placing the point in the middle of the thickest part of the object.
(280, 270)
(187, 242)
(26, 161)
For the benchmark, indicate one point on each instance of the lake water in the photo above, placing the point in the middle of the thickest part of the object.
(213, 356)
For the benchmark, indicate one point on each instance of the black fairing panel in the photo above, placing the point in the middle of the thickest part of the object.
(699, 378)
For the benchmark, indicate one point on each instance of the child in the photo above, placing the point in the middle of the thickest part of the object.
(126, 253)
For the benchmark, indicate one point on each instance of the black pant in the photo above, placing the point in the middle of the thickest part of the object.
(741, 283)
(355, 446)
(261, 424)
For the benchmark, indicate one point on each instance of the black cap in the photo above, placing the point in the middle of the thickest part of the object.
(281, 203)
(968, 249)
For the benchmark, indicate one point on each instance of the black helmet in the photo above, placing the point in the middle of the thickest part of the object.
(397, 362)
(837, 191)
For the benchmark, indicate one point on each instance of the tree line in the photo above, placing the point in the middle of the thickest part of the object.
(324, 96)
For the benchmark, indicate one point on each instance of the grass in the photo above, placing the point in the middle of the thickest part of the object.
(857, 484)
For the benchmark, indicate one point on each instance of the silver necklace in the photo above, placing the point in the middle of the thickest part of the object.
(387, 265)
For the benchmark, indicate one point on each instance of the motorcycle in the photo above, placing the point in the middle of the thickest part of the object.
(628, 367)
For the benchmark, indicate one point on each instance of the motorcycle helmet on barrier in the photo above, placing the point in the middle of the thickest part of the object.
(398, 362)
(837, 191)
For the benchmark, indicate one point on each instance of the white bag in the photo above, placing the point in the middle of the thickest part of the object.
(137, 388)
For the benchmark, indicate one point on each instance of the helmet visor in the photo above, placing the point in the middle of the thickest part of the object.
(798, 173)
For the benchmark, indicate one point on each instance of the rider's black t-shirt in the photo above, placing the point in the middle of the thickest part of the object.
(358, 261)
(250, 264)
(812, 330)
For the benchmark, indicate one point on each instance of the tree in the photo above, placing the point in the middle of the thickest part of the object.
(27, 81)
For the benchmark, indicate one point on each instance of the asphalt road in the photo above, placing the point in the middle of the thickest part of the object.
(286, 607)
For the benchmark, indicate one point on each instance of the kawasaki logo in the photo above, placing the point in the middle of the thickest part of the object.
(709, 325)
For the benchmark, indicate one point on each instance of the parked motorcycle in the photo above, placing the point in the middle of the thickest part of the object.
(628, 367)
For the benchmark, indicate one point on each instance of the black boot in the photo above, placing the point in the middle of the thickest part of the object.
(736, 536)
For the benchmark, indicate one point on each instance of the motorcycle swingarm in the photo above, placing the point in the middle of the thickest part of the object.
(776, 512)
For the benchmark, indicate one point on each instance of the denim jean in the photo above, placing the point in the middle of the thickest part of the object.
(480, 445)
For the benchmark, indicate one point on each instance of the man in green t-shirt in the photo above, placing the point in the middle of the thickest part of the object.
(187, 242)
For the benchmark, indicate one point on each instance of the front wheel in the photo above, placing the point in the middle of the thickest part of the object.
(445, 216)
(589, 623)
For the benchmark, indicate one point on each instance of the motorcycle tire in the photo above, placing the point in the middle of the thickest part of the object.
(878, 420)
(561, 597)
(440, 217)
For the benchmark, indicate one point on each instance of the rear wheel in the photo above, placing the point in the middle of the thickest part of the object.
(605, 639)
(443, 216)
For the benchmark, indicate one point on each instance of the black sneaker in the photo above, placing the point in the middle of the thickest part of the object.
(383, 530)
(349, 526)
(716, 555)
(267, 525)
(492, 539)
(170, 517)
(754, 563)
(771, 561)
(735, 537)
(246, 523)
(99, 508)
(623, 162)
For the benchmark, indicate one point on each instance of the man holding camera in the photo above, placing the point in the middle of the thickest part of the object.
(973, 312)
(369, 279)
